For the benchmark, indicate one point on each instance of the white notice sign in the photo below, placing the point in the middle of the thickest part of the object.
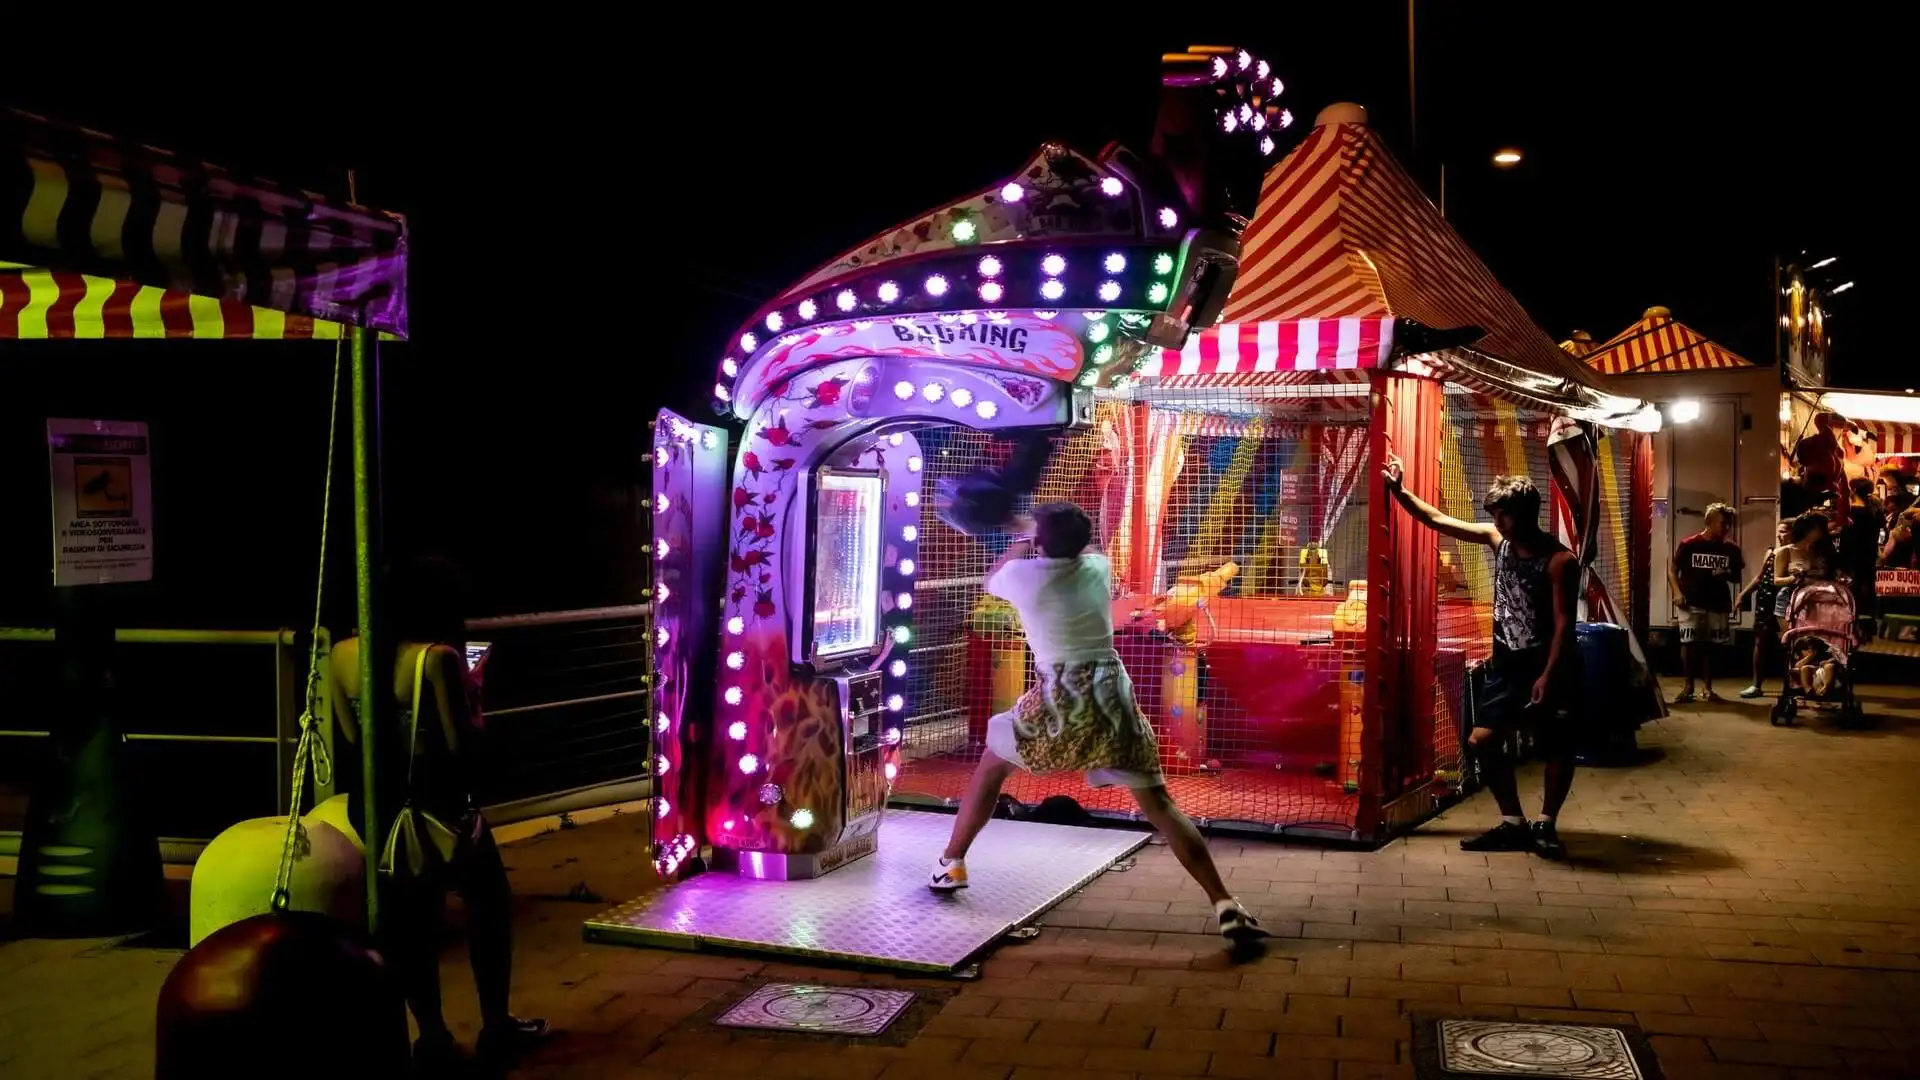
(102, 502)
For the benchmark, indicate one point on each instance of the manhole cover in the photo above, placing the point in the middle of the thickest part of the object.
(1506, 1048)
(836, 1010)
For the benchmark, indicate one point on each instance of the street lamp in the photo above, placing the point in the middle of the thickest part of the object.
(1506, 157)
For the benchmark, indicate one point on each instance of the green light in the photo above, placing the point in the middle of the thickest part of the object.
(1157, 293)
(1163, 263)
(1091, 378)
(964, 231)
(1103, 354)
(1097, 332)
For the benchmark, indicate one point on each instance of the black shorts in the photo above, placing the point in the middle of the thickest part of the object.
(1504, 707)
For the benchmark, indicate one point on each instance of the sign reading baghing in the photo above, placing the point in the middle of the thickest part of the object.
(102, 502)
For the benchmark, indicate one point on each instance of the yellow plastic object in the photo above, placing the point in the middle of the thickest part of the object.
(1350, 635)
(1313, 569)
(1188, 595)
(233, 878)
(1180, 705)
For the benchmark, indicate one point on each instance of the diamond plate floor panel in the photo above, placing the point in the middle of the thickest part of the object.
(878, 911)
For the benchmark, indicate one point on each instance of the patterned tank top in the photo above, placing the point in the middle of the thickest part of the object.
(1523, 596)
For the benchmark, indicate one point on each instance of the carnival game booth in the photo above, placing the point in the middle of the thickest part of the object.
(1284, 629)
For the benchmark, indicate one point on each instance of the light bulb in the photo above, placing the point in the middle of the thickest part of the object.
(775, 321)
(989, 266)
(1246, 59)
(770, 794)
(961, 396)
(661, 723)
(661, 592)
(902, 635)
(895, 703)
(1163, 263)
(720, 391)
(914, 463)
(936, 285)
(749, 764)
(737, 730)
(736, 660)
(906, 567)
(729, 367)
(986, 410)
(889, 292)
(708, 440)
(660, 549)
(660, 457)
(904, 601)
(892, 737)
(911, 498)
(661, 765)
(896, 439)
(736, 625)
(732, 695)
(898, 669)
(1278, 86)
(1266, 144)
(933, 392)
(1285, 119)
(1115, 263)
(1111, 185)
(661, 807)
(1230, 122)
(910, 533)
(1109, 291)
(661, 504)
(1219, 67)
(1012, 193)
(1052, 289)
(1098, 332)
(1169, 217)
(846, 300)
(891, 770)
(1157, 293)
(903, 390)
(661, 637)
(1262, 69)
(808, 309)
(1245, 113)
(991, 292)
(1103, 355)
(749, 342)
(1258, 121)
(1054, 265)
(964, 231)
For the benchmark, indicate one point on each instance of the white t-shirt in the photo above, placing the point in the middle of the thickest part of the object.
(1065, 605)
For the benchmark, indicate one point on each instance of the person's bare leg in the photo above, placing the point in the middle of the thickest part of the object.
(1497, 770)
(1185, 840)
(976, 806)
(1687, 654)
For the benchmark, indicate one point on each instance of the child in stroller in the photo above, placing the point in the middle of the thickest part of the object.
(1820, 639)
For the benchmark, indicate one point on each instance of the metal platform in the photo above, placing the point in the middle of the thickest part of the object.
(878, 912)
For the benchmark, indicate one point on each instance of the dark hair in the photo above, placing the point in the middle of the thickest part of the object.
(428, 601)
(1804, 525)
(1516, 495)
(1862, 487)
(1062, 530)
(1725, 510)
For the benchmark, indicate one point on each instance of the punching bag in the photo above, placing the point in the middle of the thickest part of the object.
(89, 858)
(983, 501)
(291, 995)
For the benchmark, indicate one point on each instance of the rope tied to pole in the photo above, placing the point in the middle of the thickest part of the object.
(311, 749)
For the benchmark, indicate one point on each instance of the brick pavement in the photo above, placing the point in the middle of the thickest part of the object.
(1748, 898)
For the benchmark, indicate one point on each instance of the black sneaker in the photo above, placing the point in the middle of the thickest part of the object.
(1546, 841)
(502, 1044)
(1505, 836)
(1238, 924)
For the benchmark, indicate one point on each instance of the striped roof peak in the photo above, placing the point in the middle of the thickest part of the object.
(1660, 344)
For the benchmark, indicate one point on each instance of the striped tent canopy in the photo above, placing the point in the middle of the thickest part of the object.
(1342, 245)
(1660, 344)
(105, 238)
(1892, 439)
(1579, 344)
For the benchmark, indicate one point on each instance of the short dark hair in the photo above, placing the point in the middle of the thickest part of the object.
(1805, 524)
(1725, 510)
(428, 600)
(1516, 495)
(1862, 486)
(1062, 529)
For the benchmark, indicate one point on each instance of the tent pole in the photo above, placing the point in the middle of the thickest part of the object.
(366, 579)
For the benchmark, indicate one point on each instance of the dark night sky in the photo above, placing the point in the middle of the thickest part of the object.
(595, 210)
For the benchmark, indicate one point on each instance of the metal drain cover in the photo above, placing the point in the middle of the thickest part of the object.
(833, 1010)
(1560, 1051)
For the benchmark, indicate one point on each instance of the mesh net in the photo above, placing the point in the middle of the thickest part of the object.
(1254, 501)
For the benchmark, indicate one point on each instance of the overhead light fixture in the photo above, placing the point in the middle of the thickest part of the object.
(1507, 157)
(1828, 261)
(1684, 411)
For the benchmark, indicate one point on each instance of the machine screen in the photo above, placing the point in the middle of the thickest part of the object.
(846, 564)
(476, 652)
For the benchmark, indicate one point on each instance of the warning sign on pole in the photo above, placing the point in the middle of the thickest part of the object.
(102, 502)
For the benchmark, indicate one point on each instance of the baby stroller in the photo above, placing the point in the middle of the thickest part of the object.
(1820, 617)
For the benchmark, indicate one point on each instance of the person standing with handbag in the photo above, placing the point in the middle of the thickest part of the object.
(438, 839)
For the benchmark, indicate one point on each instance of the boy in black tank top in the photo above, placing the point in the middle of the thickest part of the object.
(1534, 679)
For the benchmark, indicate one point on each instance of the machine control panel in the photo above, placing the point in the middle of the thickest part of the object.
(864, 705)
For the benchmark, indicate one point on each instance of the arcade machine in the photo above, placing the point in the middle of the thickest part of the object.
(1001, 313)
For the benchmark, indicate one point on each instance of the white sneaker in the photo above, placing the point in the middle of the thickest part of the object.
(1237, 923)
(949, 875)
(1752, 692)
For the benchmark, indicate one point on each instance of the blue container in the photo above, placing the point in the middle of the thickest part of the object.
(1608, 662)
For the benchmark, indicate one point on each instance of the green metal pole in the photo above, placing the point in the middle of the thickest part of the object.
(366, 579)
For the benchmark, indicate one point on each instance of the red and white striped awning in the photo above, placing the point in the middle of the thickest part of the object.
(1342, 244)
(1658, 344)
(1892, 438)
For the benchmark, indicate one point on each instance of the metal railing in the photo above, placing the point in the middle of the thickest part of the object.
(565, 699)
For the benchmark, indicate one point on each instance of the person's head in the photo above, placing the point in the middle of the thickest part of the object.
(1062, 530)
(1809, 528)
(428, 599)
(1783, 532)
(1719, 519)
(1514, 504)
(1862, 488)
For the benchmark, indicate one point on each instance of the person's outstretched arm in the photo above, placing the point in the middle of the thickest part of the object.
(1427, 514)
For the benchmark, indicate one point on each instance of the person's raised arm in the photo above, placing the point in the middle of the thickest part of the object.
(1022, 546)
(1427, 514)
(1563, 576)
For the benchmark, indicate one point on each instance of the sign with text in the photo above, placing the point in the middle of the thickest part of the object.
(1896, 583)
(102, 502)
